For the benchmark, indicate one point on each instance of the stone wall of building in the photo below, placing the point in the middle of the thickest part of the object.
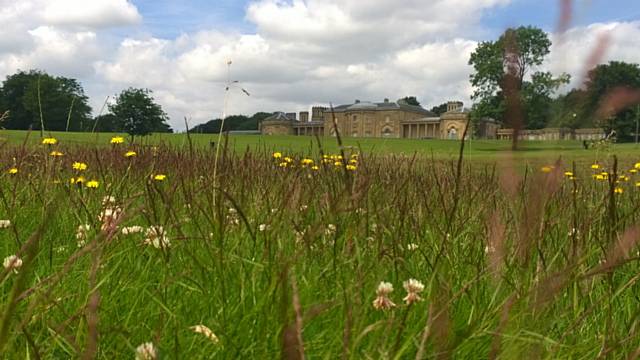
(276, 128)
(365, 123)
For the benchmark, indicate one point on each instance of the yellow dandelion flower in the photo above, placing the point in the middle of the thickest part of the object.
(618, 190)
(93, 184)
(56, 154)
(49, 141)
(595, 166)
(13, 171)
(315, 168)
(79, 166)
(306, 162)
(77, 181)
(288, 159)
(337, 163)
(623, 178)
(353, 161)
(130, 154)
(599, 177)
(546, 169)
(160, 177)
(277, 155)
(351, 167)
(283, 164)
(568, 174)
(633, 171)
(637, 166)
(117, 140)
(638, 184)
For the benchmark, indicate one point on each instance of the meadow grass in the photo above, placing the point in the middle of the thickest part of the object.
(284, 260)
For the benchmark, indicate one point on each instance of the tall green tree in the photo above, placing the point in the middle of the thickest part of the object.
(440, 109)
(505, 86)
(411, 100)
(609, 79)
(28, 95)
(138, 114)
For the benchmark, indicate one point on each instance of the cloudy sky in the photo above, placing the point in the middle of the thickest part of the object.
(292, 54)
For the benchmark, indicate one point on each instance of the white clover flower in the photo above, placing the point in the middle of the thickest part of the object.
(274, 210)
(109, 218)
(136, 229)
(382, 301)
(146, 351)
(5, 224)
(412, 247)
(263, 227)
(107, 200)
(330, 230)
(157, 237)
(489, 249)
(12, 263)
(413, 288)
(201, 329)
(303, 207)
(82, 233)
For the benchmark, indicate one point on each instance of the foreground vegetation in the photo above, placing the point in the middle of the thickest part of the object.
(293, 254)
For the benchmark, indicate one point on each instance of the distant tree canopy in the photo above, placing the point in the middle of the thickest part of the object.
(411, 100)
(504, 89)
(136, 113)
(62, 100)
(232, 123)
(440, 109)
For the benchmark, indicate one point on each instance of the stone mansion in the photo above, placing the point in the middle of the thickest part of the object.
(385, 119)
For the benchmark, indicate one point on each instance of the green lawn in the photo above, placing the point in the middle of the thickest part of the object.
(442, 149)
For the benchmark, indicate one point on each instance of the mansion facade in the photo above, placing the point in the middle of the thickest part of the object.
(382, 120)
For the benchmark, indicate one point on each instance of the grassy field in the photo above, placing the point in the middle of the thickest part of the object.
(440, 149)
(297, 256)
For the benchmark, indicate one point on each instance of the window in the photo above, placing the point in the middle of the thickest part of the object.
(452, 134)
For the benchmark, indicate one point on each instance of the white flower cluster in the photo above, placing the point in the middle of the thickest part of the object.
(157, 237)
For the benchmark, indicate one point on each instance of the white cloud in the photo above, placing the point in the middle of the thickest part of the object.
(302, 53)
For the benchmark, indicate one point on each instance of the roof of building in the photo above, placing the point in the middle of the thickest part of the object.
(278, 116)
(383, 106)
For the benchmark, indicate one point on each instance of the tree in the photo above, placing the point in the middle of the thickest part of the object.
(411, 100)
(504, 89)
(61, 100)
(232, 123)
(440, 109)
(137, 114)
(604, 83)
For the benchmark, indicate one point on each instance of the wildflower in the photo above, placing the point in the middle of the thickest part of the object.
(201, 329)
(283, 164)
(160, 177)
(130, 154)
(93, 184)
(12, 263)
(546, 169)
(637, 166)
(618, 190)
(79, 166)
(108, 200)
(109, 218)
(633, 171)
(351, 167)
(5, 224)
(568, 174)
(117, 140)
(132, 230)
(56, 154)
(77, 181)
(638, 184)
(412, 247)
(489, 249)
(595, 166)
(13, 171)
(306, 162)
(82, 234)
(413, 288)
(330, 230)
(315, 168)
(49, 141)
(263, 227)
(277, 155)
(157, 237)
(353, 161)
(288, 159)
(337, 163)
(382, 301)
(146, 351)
(623, 178)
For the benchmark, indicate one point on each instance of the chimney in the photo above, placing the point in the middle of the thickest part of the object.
(292, 116)
(304, 116)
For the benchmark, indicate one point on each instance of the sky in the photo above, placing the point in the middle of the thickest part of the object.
(294, 54)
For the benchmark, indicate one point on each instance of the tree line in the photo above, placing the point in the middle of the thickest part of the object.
(38, 101)
(510, 88)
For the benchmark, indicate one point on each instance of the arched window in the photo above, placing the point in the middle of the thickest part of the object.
(387, 131)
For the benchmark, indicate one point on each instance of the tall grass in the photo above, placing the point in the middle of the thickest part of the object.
(516, 262)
